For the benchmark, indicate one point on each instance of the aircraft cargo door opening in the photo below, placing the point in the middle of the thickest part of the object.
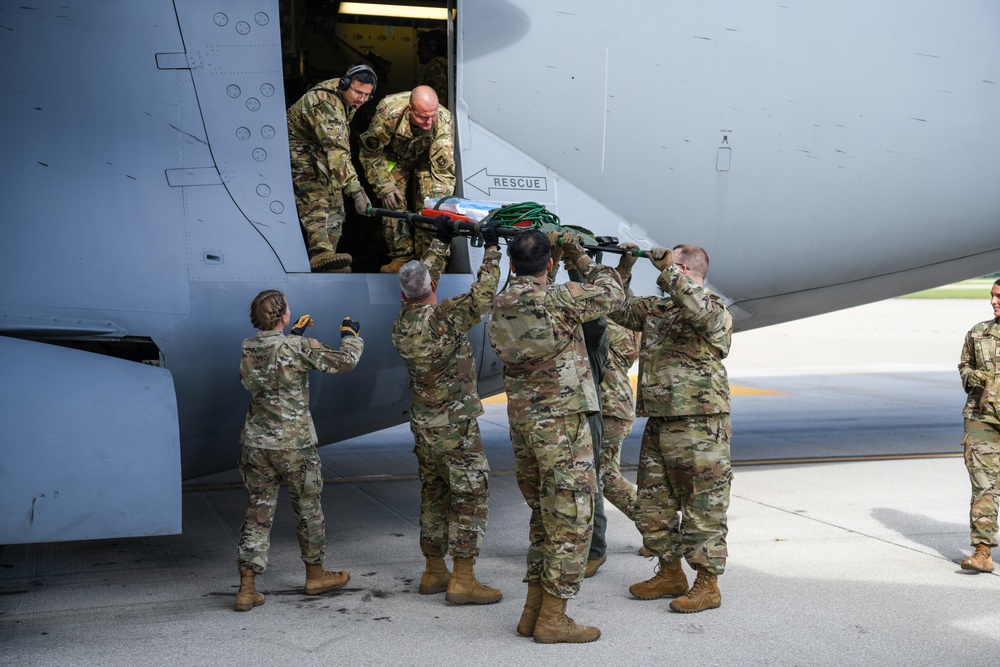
(404, 44)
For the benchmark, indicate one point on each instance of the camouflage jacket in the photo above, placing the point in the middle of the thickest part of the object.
(978, 369)
(685, 337)
(535, 331)
(275, 370)
(617, 399)
(433, 341)
(435, 75)
(391, 137)
(319, 125)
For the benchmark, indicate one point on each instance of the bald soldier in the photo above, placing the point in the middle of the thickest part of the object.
(413, 133)
(319, 140)
(536, 330)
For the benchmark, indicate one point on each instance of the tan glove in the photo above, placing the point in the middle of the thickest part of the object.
(572, 245)
(361, 202)
(300, 325)
(393, 200)
(661, 257)
(627, 260)
(557, 250)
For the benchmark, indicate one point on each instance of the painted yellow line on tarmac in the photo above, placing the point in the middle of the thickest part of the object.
(735, 390)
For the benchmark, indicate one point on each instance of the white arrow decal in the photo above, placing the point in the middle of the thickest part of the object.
(486, 182)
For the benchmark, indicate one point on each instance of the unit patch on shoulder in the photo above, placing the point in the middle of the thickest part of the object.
(371, 141)
(442, 161)
(578, 290)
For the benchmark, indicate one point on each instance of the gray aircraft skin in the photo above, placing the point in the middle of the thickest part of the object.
(825, 156)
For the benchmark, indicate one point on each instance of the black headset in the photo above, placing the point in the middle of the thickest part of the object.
(345, 81)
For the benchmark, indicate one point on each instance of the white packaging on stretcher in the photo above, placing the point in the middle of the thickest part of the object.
(472, 209)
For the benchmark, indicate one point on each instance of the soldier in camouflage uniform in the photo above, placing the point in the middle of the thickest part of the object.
(319, 140)
(596, 342)
(432, 51)
(618, 402)
(279, 440)
(535, 330)
(980, 379)
(412, 131)
(684, 463)
(433, 339)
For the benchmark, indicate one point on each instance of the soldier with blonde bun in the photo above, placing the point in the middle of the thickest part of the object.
(279, 440)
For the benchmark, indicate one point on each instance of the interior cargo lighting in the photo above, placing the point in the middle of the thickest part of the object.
(395, 11)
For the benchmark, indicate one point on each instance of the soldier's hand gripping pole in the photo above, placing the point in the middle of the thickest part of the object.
(474, 229)
(430, 223)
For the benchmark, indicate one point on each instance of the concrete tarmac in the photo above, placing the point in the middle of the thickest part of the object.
(847, 553)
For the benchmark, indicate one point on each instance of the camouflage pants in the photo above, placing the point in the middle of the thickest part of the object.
(402, 239)
(263, 471)
(554, 464)
(982, 459)
(618, 490)
(320, 203)
(683, 491)
(454, 489)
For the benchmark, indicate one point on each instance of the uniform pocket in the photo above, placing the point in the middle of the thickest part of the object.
(468, 482)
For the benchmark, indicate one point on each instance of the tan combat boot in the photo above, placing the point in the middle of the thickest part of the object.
(532, 605)
(321, 261)
(555, 627)
(395, 265)
(704, 594)
(669, 580)
(593, 565)
(247, 598)
(326, 261)
(981, 561)
(435, 577)
(464, 589)
(319, 580)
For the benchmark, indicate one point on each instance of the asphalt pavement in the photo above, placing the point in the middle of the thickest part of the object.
(849, 517)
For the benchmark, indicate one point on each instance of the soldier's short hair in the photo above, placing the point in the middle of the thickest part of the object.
(364, 77)
(267, 309)
(529, 253)
(694, 257)
(414, 280)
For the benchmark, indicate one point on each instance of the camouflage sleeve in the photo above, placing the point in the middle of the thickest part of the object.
(334, 135)
(372, 152)
(436, 258)
(601, 297)
(706, 314)
(317, 356)
(633, 315)
(972, 378)
(467, 310)
(442, 157)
